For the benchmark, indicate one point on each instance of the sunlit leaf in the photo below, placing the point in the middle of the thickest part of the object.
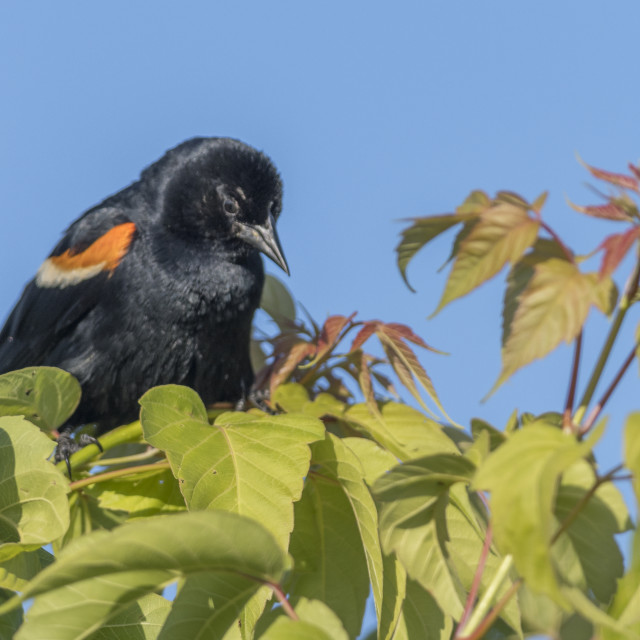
(422, 231)
(413, 522)
(336, 461)
(330, 336)
(248, 464)
(615, 248)
(16, 572)
(404, 431)
(522, 503)
(502, 234)
(33, 501)
(98, 576)
(43, 395)
(142, 620)
(617, 179)
(608, 211)
(551, 308)
(316, 622)
(421, 617)
(329, 558)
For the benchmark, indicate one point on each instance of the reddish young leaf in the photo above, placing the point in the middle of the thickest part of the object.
(286, 364)
(616, 247)
(368, 329)
(364, 379)
(406, 365)
(635, 170)
(403, 331)
(330, 335)
(609, 211)
(619, 179)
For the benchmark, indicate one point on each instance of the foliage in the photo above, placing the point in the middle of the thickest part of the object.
(279, 522)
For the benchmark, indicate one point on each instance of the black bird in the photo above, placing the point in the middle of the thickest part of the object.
(157, 284)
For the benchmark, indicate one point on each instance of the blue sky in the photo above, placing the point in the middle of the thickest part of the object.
(372, 112)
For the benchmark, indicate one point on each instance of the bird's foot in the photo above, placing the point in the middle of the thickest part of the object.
(257, 398)
(67, 446)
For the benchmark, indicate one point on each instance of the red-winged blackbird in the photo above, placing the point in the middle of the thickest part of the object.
(157, 284)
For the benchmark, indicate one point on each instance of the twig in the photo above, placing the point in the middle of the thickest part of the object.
(573, 514)
(282, 598)
(477, 579)
(595, 412)
(567, 423)
(117, 473)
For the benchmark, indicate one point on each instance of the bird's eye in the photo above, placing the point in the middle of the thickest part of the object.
(230, 205)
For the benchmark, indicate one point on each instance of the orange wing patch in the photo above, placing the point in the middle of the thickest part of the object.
(72, 267)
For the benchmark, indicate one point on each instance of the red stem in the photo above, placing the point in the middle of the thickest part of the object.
(567, 423)
(595, 412)
(477, 579)
(556, 237)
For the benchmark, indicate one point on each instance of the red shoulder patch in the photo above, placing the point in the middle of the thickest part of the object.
(72, 266)
(106, 251)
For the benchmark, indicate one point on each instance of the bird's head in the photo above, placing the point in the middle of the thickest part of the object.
(225, 191)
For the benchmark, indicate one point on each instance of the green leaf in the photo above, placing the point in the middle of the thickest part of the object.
(99, 575)
(404, 431)
(421, 616)
(139, 495)
(336, 461)
(43, 395)
(464, 548)
(375, 460)
(16, 573)
(520, 275)
(553, 307)
(625, 606)
(592, 532)
(244, 463)
(9, 622)
(33, 501)
(413, 522)
(277, 302)
(141, 620)
(317, 622)
(522, 503)
(422, 231)
(329, 558)
(85, 516)
(502, 234)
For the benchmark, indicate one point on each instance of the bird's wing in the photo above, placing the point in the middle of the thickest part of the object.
(68, 284)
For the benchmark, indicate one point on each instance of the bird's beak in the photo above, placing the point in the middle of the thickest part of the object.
(264, 238)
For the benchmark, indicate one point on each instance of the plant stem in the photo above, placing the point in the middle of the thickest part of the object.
(282, 599)
(625, 301)
(595, 412)
(579, 506)
(117, 473)
(111, 462)
(489, 595)
(567, 423)
(556, 237)
(477, 579)
(127, 433)
(485, 625)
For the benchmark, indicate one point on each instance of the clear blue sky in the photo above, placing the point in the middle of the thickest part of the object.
(372, 113)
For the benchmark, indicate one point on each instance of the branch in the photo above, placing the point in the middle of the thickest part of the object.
(477, 579)
(117, 473)
(567, 423)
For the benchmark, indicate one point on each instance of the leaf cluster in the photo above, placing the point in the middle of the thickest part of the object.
(279, 522)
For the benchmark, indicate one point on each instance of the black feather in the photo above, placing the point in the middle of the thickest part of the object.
(178, 306)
